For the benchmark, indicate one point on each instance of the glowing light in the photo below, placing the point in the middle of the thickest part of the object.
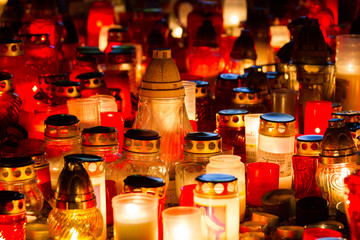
(234, 20)
(74, 234)
(317, 130)
(34, 89)
(132, 209)
(177, 32)
(98, 23)
(351, 68)
(180, 232)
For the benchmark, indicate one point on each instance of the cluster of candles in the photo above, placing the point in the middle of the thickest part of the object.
(233, 139)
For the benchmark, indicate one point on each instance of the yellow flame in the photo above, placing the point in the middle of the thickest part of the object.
(34, 89)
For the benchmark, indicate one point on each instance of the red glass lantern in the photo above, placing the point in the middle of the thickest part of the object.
(317, 115)
(92, 83)
(352, 203)
(101, 13)
(12, 215)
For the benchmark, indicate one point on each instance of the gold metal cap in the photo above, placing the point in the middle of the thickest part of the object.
(337, 107)
(62, 126)
(290, 232)
(232, 118)
(11, 48)
(74, 189)
(12, 203)
(253, 226)
(145, 184)
(277, 125)
(93, 164)
(337, 145)
(308, 145)
(91, 80)
(202, 89)
(65, 89)
(6, 82)
(247, 96)
(162, 77)
(141, 141)
(202, 143)
(216, 185)
(348, 116)
(17, 169)
(99, 136)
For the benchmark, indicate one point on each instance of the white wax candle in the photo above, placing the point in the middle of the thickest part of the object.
(285, 182)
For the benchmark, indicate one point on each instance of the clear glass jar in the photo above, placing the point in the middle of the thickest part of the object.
(62, 137)
(21, 178)
(12, 215)
(103, 142)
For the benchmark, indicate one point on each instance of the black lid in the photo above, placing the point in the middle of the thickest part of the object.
(122, 49)
(352, 126)
(229, 76)
(202, 136)
(336, 120)
(206, 35)
(246, 90)
(244, 46)
(8, 196)
(99, 129)
(61, 120)
(200, 83)
(15, 162)
(216, 178)
(142, 134)
(5, 76)
(233, 112)
(83, 157)
(54, 77)
(118, 29)
(310, 138)
(277, 117)
(140, 181)
(87, 48)
(8, 41)
(89, 75)
(65, 83)
(254, 77)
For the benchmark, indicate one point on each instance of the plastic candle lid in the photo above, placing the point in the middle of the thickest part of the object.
(277, 117)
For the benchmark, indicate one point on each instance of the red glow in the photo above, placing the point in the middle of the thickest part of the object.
(317, 115)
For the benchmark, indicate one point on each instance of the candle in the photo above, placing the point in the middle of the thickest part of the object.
(311, 210)
(183, 223)
(87, 110)
(135, 216)
(319, 110)
(252, 123)
(280, 202)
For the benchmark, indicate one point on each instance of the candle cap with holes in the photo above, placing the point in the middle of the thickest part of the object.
(202, 143)
(93, 164)
(337, 145)
(227, 81)
(65, 89)
(99, 136)
(277, 125)
(141, 141)
(16, 169)
(6, 82)
(348, 116)
(145, 184)
(91, 80)
(216, 185)
(202, 89)
(12, 203)
(248, 96)
(232, 118)
(11, 48)
(62, 126)
(35, 38)
(308, 145)
(74, 188)
(162, 77)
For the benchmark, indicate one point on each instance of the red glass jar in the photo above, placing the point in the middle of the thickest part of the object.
(230, 125)
(84, 64)
(61, 91)
(12, 60)
(116, 37)
(103, 142)
(225, 84)
(250, 99)
(305, 162)
(352, 203)
(205, 121)
(12, 215)
(101, 13)
(92, 83)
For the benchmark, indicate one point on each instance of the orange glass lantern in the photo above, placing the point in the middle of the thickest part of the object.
(101, 13)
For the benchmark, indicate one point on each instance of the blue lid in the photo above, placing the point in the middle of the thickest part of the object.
(229, 76)
(277, 117)
(200, 83)
(233, 112)
(202, 136)
(216, 178)
(310, 138)
(247, 90)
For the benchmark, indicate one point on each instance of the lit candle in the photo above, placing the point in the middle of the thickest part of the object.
(252, 123)
(347, 70)
(135, 216)
(182, 223)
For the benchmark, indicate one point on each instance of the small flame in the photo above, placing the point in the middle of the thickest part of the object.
(177, 32)
(317, 130)
(34, 89)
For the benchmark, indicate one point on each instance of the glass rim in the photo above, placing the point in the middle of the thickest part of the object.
(181, 212)
(134, 198)
(347, 36)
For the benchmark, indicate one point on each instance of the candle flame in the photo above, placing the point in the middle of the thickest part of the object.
(74, 234)
(177, 32)
(34, 89)
(180, 232)
(132, 209)
(317, 130)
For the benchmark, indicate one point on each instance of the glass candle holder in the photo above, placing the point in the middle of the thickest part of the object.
(305, 162)
(276, 144)
(190, 102)
(352, 199)
(12, 215)
(252, 124)
(250, 99)
(217, 194)
(280, 202)
(231, 164)
(87, 110)
(203, 107)
(135, 216)
(319, 110)
(183, 223)
(347, 63)
(311, 210)
(261, 178)
(316, 233)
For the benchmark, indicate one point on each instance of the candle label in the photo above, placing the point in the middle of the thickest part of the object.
(251, 146)
(215, 221)
(284, 160)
